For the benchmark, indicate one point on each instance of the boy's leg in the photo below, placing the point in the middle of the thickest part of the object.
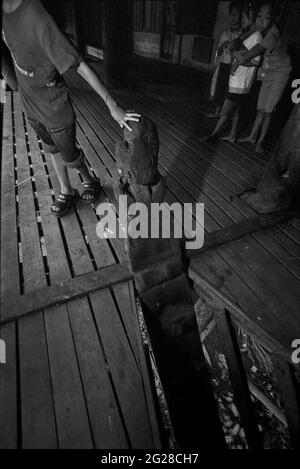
(255, 129)
(271, 99)
(62, 173)
(212, 94)
(72, 158)
(221, 122)
(264, 129)
(261, 106)
(227, 110)
(235, 119)
(214, 114)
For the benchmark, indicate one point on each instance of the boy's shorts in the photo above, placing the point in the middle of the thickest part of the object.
(59, 140)
(233, 101)
(270, 94)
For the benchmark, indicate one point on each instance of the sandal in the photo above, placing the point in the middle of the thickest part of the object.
(63, 204)
(91, 191)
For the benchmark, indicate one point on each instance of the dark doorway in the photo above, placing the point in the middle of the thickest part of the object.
(169, 27)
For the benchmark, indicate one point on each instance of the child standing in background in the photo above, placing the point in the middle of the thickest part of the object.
(241, 78)
(274, 72)
(223, 60)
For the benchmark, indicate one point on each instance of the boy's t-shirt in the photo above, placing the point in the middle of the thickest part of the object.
(41, 54)
(241, 81)
(276, 62)
(227, 35)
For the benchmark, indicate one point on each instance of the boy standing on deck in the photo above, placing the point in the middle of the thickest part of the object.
(41, 55)
(274, 72)
(241, 78)
(223, 59)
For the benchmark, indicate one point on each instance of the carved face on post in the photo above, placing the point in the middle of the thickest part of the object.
(137, 154)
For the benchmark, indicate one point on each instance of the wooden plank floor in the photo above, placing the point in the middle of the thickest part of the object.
(75, 374)
(76, 377)
(37, 248)
(260, 276)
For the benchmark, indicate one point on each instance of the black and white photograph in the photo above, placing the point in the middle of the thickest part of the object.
(150, 228)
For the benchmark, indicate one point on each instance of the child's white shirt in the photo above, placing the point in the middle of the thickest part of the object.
(241, 81)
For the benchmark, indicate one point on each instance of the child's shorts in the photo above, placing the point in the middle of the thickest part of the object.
(270, 94)
(233, 101)
(59, 140)
(222, 83)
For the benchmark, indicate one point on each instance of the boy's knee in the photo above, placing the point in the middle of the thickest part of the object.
(77, 163)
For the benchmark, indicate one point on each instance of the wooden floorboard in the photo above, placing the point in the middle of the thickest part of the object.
(34, 274)
(36, 397)
(9, 409)
(9, 231)
(73, 426)
(106, 422)
(57, 260)
(125, 371)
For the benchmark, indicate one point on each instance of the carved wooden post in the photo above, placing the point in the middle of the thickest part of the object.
(163, 288)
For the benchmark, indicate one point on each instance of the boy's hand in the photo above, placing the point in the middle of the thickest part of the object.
(239, 56)
(121, 116)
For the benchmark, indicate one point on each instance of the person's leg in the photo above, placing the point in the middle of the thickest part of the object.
(213, 94)
(275, 92)
(220, 124)
(264, 129)
(62, 173)
(220, 89)
(67, 196)
(252, 138)
(227, 110)
(261, 106)
(85, 174)
(73, 158)
(235, 119)
(213, 115)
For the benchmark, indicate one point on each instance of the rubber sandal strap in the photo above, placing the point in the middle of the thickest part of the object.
(91, 189)
(64, 202)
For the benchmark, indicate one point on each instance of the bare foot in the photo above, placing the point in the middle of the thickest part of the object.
(248, 139)
(259, 148)
(229, 138)
(209, 139)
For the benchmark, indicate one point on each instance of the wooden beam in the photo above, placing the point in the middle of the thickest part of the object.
(16, 306)
(238, 379)
(238, 230)
(290, 394)
(220, 301)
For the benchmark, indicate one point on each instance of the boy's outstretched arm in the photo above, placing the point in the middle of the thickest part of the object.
(116, 111)
(243, 56)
